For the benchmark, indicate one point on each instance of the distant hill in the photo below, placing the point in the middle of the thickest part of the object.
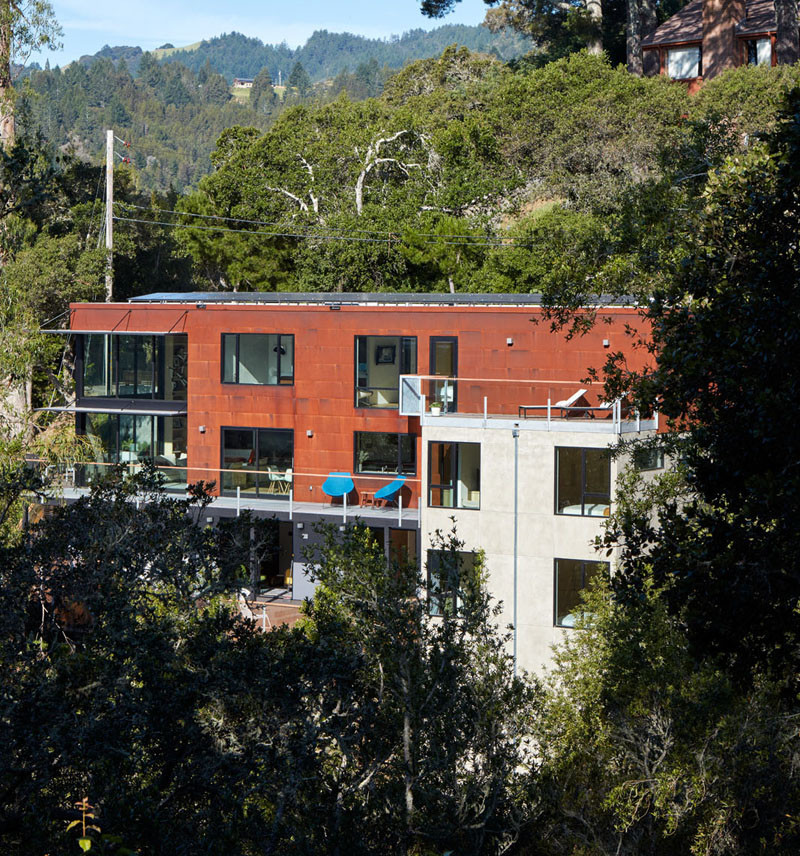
(323, 56)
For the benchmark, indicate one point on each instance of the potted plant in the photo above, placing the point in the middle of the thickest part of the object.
(436, 408)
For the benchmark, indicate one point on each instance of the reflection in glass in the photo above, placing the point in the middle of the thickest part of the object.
(132, 439)
(583, 482)
(257, 461)
(572, 577)
(379, 452)
(134, 366)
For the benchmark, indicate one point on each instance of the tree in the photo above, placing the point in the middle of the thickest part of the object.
(724, 329)
(299, 80)
(787, 46)
(129, 678)
(25, 26)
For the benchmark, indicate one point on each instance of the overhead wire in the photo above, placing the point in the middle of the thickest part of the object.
(470, 237)
(481, 241)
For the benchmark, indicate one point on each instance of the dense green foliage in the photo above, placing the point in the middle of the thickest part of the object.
(672, 718)
(130, 679)
(468, 174)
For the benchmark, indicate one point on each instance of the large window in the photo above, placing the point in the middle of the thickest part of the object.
(123, 365)
(684, 63)
(380, 360)
(257, 358)
(377, 452)
(454, 475)
(124, 438)
(257, 461)
(583, 482)
(446, 571)
(572, 576)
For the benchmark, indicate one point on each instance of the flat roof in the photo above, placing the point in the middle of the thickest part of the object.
(333, 298)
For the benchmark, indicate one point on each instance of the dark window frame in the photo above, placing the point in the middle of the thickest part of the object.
(450, 406)
(223, 491)
(456, 464)
(155, 399)
(398, 471)
(238, 382)
(605, 498)
(403, 361)
(448, 599)
(642, 461)
(602, 567)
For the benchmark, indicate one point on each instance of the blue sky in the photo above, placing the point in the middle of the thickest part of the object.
(88, 25)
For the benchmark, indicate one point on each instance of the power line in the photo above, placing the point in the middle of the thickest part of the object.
(390, 237)
(472, 237)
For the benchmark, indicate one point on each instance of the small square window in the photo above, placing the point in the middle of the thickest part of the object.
(648, 459)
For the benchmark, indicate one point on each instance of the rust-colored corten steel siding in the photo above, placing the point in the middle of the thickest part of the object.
(321, 400)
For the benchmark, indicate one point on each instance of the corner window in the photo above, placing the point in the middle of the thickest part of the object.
(257, 461)
(572, 576)
(379, 362)
(684, 63)
(583, 482)
(454, 475)
(378, 452)
(127, 365)
(133, 439)
(258, 358)
(445, 571)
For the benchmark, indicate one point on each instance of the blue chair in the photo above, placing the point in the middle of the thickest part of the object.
(338, 484)
(389, 492)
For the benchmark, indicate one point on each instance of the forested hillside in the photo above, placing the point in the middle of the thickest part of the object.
(326, 54)
(173, 105)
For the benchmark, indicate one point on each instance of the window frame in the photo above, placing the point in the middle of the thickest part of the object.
(644, 465)
(158, 372)
(584, 493)
(259, 494)
(238, 382)
(398, 471)
(685, 49)
(456, 468)
(400, 358)
(451, 594)
(602, 567)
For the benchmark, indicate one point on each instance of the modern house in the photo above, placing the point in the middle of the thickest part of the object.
(706, 37)
(402, 411)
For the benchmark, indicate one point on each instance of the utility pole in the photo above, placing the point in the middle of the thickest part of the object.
(109, 216)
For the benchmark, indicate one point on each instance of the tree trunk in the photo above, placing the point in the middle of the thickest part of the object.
(787, 48)
(7, 130)
(633, 39)
(648, 19)
(595, 10)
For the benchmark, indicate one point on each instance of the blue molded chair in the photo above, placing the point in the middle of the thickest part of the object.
(389, 492)
(338, 484)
